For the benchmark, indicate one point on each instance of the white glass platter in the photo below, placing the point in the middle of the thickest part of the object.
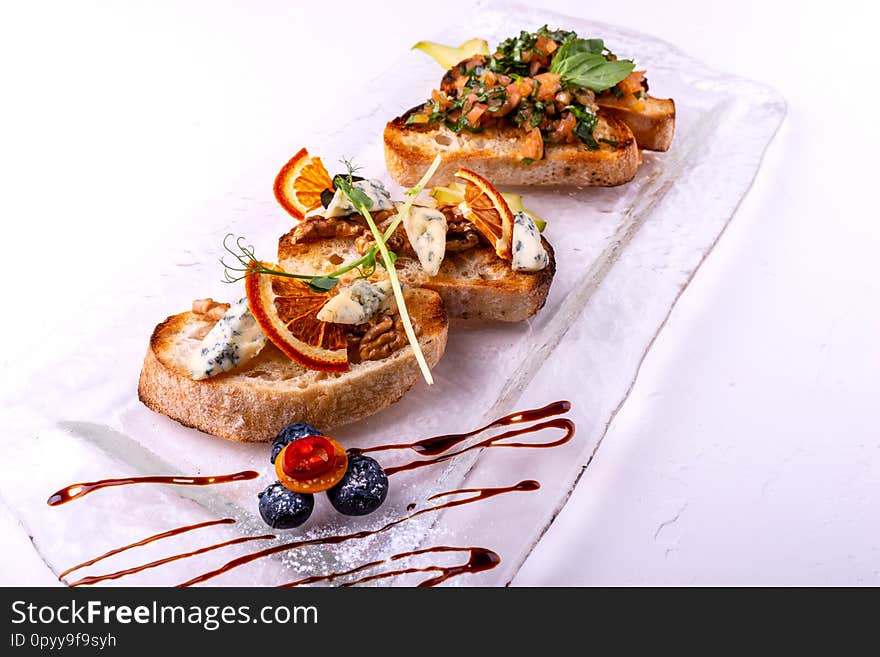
(624, 256)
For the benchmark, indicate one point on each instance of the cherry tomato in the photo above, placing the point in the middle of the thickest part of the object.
(311, 464)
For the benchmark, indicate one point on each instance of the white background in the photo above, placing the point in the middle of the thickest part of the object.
(749, 451)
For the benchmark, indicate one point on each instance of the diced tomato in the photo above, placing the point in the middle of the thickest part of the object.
(533, 145)
(473, 116)
(546, 45)
(525, 86)
(441, 98)
(550, 84)
(563, 131)
(511, 100)
(632, 84)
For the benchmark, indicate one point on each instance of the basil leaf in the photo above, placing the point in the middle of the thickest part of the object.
(322, 283)
(577, 46)
(604, 76)
(581, 63)
(595, 45)
(576, 64)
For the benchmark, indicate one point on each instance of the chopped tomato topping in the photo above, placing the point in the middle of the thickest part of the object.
(533, 145)
(515, 91)
(633, 83)
(550, 84)
(473, 117)
(563, 131)
(441, 98)
(546, 45)
(516, 87)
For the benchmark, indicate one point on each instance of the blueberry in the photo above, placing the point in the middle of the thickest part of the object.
(290, 433)
(362, 489)
(281, 508)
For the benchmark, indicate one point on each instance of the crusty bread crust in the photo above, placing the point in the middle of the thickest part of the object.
(474, 284)
(494, 154)
(652, 122)
(477, 284)
(252, 402)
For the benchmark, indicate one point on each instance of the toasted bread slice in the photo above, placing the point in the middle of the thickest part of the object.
(474, 284)
(253, 402)
(495, 154)
(651, 120)
(477, 284)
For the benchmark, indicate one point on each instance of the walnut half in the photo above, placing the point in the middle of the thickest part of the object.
(377, 339)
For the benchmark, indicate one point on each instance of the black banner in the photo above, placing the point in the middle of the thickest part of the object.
(368, 621)
(274, 621)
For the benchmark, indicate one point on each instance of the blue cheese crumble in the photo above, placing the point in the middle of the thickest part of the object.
(357, 303)
(426, 229)
(234, 340)
(529, 253)
(340, 206)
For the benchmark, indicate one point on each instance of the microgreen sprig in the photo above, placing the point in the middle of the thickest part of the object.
(248, 264)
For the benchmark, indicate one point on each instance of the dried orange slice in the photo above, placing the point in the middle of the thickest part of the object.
(487, 209)
(286, 309)
(299, 184)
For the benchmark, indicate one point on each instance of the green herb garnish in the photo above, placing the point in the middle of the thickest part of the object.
(560, 36)
(580, 63)
(586, 123)
(583, 63)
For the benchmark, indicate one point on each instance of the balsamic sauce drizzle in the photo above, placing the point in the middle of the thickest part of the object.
(479, 559)
(155, 537)
(436, 445)
(565, 424)
(478, 494)
(88, 580)
(75, 491)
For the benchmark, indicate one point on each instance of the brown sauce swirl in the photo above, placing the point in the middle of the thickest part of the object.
(75, 491)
